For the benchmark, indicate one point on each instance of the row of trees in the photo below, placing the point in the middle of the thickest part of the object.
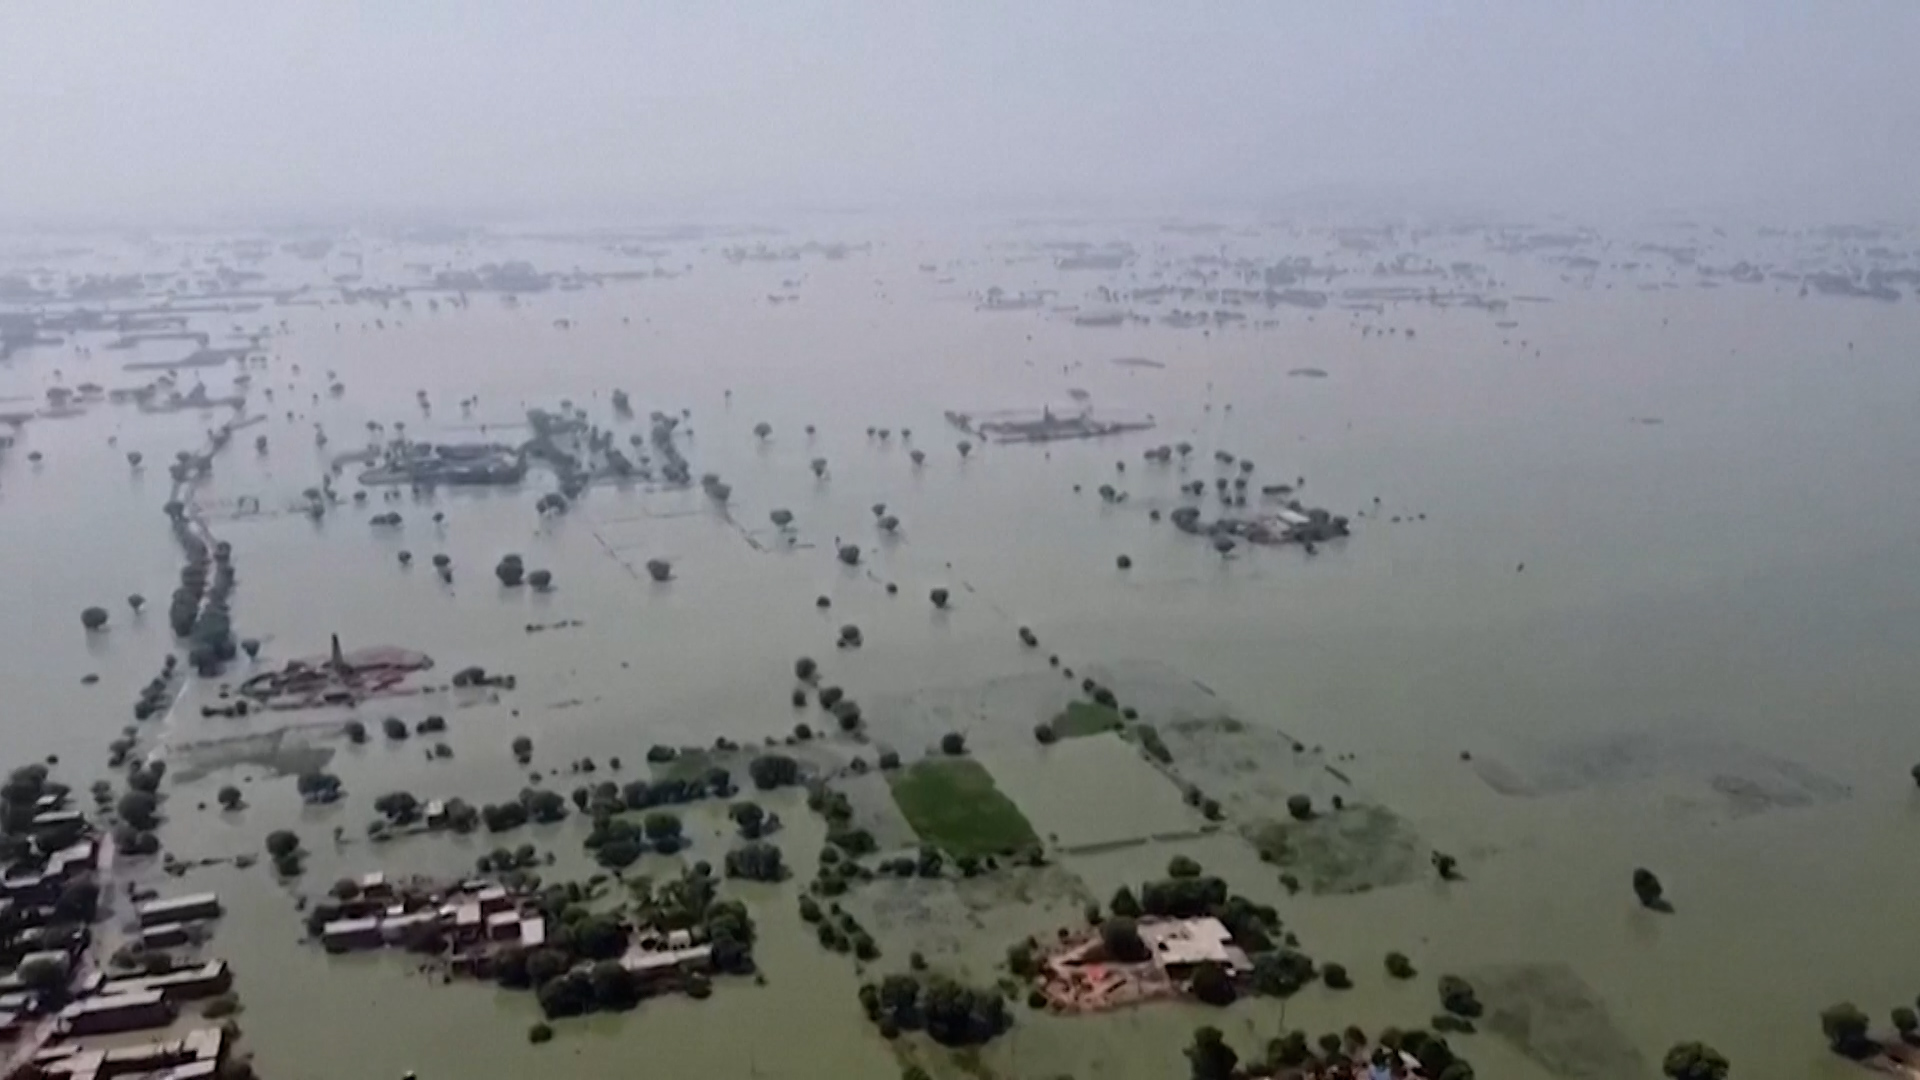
(950, 1013)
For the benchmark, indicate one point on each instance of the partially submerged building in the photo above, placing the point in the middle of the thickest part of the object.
(107, 1013)
(179, 909)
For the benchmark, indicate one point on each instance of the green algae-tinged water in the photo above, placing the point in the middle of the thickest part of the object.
(1735, 588)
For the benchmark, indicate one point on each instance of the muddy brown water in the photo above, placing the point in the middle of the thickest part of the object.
(1705, 668)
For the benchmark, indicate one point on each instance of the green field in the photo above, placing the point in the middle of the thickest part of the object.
(1085, 718)
(953, 805)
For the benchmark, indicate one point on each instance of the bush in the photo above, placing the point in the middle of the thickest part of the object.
(1399, 966)
(1121, 939)
(139, 809)
(394, 728)
(756, 861)
(1336, 977)
(356, 731)
(1648, 888)
(771, 771)
(1457, 997)
(1694, 1061)
(1845, 1027)
(953, 744)
(1181, 866)
(1906, 1022)
(539, 1033)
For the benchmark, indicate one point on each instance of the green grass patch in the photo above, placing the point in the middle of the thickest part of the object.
(1085, 718)
(953, 804)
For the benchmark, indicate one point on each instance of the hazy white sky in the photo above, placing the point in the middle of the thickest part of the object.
(124, 110)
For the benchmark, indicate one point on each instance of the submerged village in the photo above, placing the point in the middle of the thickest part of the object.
(662, 709)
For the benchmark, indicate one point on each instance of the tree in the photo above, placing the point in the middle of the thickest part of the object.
(399, 807)
(1124, 904)
(42, 974)
(1906, 1022)
(771, 771)
(750, 819)
(1399, 966)
(1209, 1057)
(1300, 806)
(1211, 984)
(545, 964)
(541, 579)
(939, 598)
(1336, 977)
(1648, 888)
(953, 744)
(568, 995)
(139, 809)
(282, 843)
(613, 985)
(93, 618)
(661, 825)
(79, 901)
(756, 861)
(1181, 866)
(1457, 997)
(394, 728)
(1694, 1061)
(230, 797)
(1121, 939)
(356, 731)
(1845, 1027)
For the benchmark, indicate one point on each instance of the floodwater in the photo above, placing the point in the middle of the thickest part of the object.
(1705, 667)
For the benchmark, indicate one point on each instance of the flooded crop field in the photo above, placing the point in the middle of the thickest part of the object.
(1412, 587)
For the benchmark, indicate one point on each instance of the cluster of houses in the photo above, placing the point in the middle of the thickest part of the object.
(197, 1055)
(53, 996)
(475, 920)
(82, 1000)
(1081, 977)
(469, 914)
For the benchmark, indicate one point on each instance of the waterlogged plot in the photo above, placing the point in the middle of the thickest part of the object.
(1353, 849)
(1553, 1017)
(953, 805)
(962, 926)
(1727, 778)
(1251, 769)
(1082, 718)
(1093, 792)
(1012, 708)
(874, 810)
(1002, 710)
(1300, 813)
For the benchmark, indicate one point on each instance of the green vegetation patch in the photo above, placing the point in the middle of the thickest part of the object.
(1085, 718)
(1345, 851)
(953, 804)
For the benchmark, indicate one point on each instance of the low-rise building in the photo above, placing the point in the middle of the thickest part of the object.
(341, 935)
(651, 967)
(164, 936)
(1181, 945)
(180, 909)
(186, 984)
(108, 1013)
